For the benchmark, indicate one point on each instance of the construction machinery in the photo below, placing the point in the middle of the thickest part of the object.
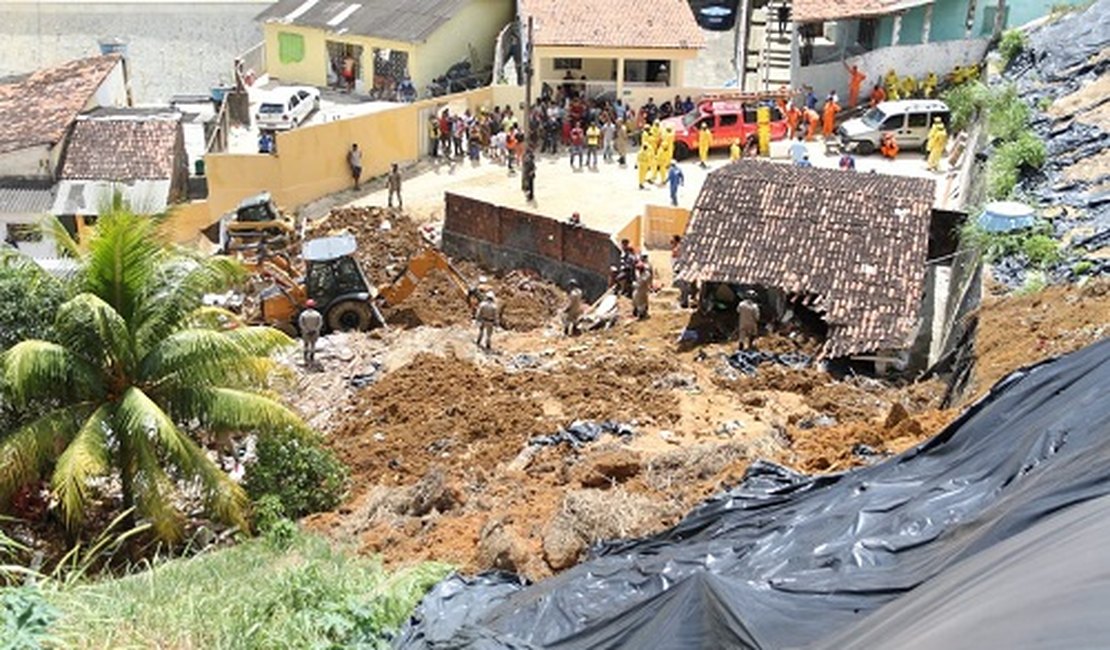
(337, 284)
(258, 229)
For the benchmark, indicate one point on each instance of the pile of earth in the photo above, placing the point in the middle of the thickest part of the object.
(387, 238)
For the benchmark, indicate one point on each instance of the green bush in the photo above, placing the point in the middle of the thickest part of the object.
(965, 102)
(25, 619)
(1082, 267)
(1005, 167)
(300, 472)
(1011, 45)
(1035, 244)
(1008, 114)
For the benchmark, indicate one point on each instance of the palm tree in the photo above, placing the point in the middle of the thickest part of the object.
(137, 363)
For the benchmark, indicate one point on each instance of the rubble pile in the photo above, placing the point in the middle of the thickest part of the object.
(388, 238)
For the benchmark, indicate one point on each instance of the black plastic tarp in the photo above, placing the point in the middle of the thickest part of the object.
(789, 561)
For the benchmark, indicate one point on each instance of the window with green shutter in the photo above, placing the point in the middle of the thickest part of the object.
(290, 47)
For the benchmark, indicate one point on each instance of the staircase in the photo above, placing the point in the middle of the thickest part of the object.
(768, 55)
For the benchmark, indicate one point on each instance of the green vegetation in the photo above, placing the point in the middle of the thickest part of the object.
(299, 475)
(1017, 149)
(29, 298)
(1011, 45)
(25, 619)
(253, 595)
(1035, 244)
(1082, 267)
(136, 373)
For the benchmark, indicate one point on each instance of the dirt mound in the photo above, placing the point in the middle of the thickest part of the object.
(386, 238)
(1016, 330)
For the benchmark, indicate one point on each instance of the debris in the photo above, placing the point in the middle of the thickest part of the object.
(580, 433)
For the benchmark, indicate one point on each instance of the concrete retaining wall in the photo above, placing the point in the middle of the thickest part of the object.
(503, 238)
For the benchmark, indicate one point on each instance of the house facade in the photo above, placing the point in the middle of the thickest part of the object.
(37, 111)
(384, 40)
(619, 48)
(911, 37)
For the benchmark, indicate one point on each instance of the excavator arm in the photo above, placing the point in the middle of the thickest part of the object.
(419, 266)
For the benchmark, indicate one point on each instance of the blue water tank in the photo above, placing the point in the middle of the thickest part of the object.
(1006, 216)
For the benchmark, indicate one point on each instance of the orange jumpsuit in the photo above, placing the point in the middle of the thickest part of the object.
(889, 146)
(813, 120)
(854, 85)
(878, 96)
(831, 108)
(792, 117)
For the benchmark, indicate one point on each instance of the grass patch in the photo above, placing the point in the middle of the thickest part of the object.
(965, 102)
(1012, 43)
(1035, 244)
(303, 594)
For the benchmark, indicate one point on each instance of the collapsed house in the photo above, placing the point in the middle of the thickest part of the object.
(850, 248)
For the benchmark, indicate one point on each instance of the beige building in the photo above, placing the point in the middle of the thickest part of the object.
(629, 49)
(380, 41)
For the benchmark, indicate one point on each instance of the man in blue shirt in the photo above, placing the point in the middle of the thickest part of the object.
(676, 179)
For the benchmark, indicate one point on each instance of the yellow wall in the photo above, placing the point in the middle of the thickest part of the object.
(633, 231)
(661, 222)
(475, 26)
(186, 220)
(311, 161)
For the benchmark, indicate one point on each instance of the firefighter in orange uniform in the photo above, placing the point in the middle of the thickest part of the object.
(831, 109)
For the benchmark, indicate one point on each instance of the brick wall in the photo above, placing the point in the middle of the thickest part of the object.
(503, 238)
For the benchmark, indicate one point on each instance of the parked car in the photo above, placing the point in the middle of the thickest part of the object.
(715, 15)
(909, 119)
(727, 120)
(286, 107)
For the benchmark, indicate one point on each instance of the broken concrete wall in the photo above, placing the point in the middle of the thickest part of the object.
(503, 238)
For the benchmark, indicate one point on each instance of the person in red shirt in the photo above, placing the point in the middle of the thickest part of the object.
(577, 145)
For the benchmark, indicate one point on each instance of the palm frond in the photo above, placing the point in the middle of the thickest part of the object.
(138, 413)
(154, 491)
(40, 370)
(178, 291)
(61, 236)
(92, 328)
(214, 318)
(210, 357)
(123, 260)
(220, 409)
(85, 457)
(27, 451)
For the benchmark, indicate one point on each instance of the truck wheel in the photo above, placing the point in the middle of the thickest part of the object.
(865, 148)
(681, 151)
(350, 315)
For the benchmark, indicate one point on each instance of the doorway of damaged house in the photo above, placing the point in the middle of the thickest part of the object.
(345, 66)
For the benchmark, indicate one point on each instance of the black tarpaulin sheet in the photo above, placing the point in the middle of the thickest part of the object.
(786, 560)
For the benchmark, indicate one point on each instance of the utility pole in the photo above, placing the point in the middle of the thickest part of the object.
(740, 59)
(528, 164)
(999, 19)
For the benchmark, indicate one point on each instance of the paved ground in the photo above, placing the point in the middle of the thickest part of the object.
(174, 47)
(606, 198)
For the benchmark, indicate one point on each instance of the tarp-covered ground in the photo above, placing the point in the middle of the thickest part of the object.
(999, 512)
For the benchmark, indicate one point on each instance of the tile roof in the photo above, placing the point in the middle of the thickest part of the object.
(821, 10)
(123, 147)
(407, 21)
(25, 197)
(854, 243)
(38, 108)
(614, 23)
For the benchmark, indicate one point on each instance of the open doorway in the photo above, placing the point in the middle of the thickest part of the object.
(345, 66)
(391, 68)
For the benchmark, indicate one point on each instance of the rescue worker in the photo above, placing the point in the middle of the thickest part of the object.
(676, 179)
(878, 95)
(793, 116)
(394, 183)
(573, 311)
(734, 150)
(645, 162)
(593, 141)
(622, 143)
(663, 158)
(938, 138)
(641, 289)
(310, 322)
(909, 87)
(651, 135)
(890, 82)
(889, 146)
(705, 139)
(856, 78)
(829, 121)
(528, 175)
(748, 316)
(487, 315)
(929, 85)
(813, 122)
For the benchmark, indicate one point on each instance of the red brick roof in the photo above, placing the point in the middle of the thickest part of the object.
(856, 243)
(38, 109)
(614, 23)
(123, 148)
(821, 10)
